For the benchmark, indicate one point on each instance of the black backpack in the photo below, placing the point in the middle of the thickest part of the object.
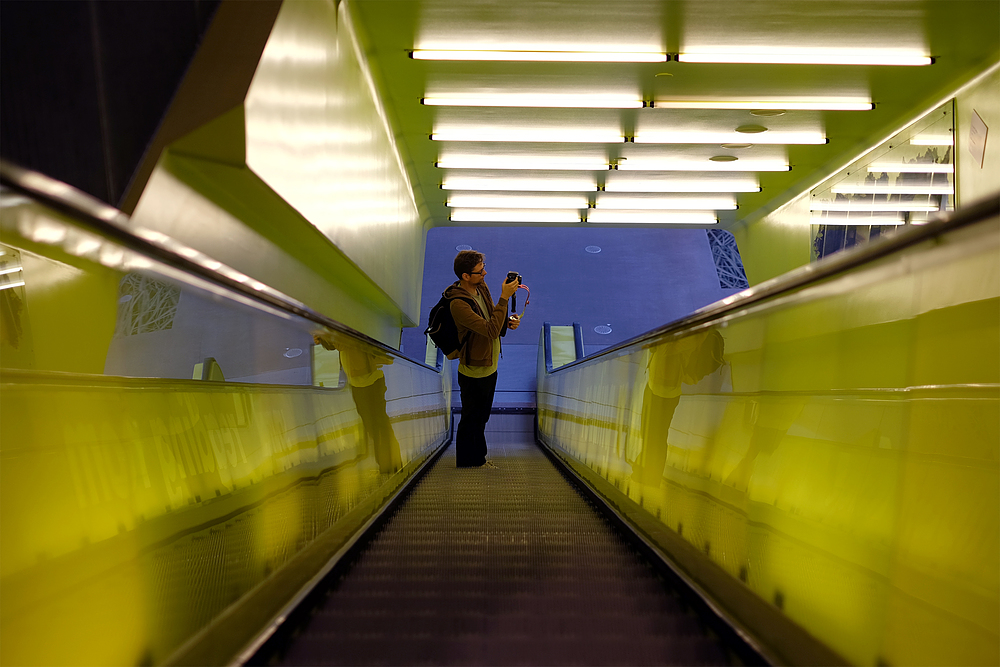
(442, 329)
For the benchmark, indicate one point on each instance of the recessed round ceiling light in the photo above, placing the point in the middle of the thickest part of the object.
(767, 113)
(733, 146)
(724, 158)
(751, 129)
(603, 329)
(593, 249)
(664, 74)
(292, 352)
(463, 247)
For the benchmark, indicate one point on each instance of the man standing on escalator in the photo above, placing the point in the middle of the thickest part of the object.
(480, 325)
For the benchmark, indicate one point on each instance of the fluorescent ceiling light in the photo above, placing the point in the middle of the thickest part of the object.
(541, 56)
(652, 217)
(542, 134)
(867, 206)
(653, 164)
(665, 203)
(680, 137)
(4, 272)
(892, 190)
(691, 185)
(17, 283)
(806, 56)
(932, 140)
(778, 104)
(540, 100)
(897, 168)
(516, 201)
(514, 215)
(567, 184)
(522, 162)
(856, 221)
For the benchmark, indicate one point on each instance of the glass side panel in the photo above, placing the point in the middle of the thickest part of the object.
(834, 449)
(168, 446)
(903, 181)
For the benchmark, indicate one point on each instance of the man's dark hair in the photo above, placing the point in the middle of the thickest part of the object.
(466, 261)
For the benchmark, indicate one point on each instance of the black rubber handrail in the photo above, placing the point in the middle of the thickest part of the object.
(96, 216)
(806, 275)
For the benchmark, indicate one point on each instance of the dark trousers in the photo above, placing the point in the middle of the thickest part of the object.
(477, 402)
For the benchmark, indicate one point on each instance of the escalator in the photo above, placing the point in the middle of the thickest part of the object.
(507, 566)
(212, 473)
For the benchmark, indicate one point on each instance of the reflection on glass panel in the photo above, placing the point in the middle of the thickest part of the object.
(901, 182)
(169, 446)
(834, 449)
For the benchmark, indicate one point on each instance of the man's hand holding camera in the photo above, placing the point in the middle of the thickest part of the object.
(507, 291)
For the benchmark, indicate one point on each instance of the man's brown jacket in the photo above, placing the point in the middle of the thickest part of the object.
(480, 329)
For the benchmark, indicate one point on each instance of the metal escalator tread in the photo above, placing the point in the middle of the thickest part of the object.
(501, 567)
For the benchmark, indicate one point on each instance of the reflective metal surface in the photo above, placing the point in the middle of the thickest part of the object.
(317, 134)
(171, 446)
(830, 442)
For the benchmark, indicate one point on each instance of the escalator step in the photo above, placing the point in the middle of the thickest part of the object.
(510, 566)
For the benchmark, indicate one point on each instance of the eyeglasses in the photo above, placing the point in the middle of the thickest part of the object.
(478, 273)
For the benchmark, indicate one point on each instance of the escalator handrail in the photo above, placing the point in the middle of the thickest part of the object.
(96, 216)
(804, 276)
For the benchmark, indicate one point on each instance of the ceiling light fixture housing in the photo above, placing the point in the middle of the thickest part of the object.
(699, 185)
(468, 200)
(515, 215)
(601, 216)
(541, 56)
(716, 163)
(537, 100)
(770, 108)
(524, 184)
(522, 162)
(619, 202)
(806, 56)
(535, 134)
(761, 136)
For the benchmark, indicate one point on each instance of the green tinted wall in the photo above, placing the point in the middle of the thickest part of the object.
(299, 182)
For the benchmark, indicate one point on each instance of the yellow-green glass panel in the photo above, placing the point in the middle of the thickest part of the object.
(140, 507)
(834, 449)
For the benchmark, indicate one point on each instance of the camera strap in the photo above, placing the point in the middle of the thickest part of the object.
(526, 299)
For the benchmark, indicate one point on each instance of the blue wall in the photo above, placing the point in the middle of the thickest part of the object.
(641, 279)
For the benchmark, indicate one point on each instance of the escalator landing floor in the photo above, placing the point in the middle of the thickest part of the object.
(501, 567)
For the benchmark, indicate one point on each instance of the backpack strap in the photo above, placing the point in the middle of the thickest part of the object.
(473, 305)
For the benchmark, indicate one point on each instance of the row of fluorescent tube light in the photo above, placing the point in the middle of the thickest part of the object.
(545, 163)
(542, 215)
(621, 101)
(560, 163)
(579, 201)
(770, 56)
(589, 184)
(599, 214)
(615, 136)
